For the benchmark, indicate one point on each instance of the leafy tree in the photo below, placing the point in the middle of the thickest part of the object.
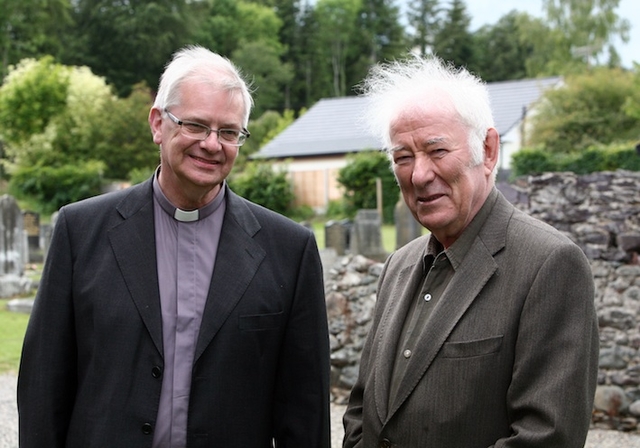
(30, 29)
(453, 41)
(587, 26)
(424, 17)
(336, 21)
(261, 183)
(500, 52)
(358, 178)
(587, 110)
(126, 41)
(32, 94)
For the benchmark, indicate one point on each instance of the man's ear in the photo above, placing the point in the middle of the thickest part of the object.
(491, 149)
(155, 123)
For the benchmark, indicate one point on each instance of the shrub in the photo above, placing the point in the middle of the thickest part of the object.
(261, 184)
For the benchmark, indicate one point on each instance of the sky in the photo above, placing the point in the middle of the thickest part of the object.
(488, 12)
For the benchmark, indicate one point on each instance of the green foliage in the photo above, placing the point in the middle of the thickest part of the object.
(632, 104)
(264, 185)
(358, 178)
(54, 187)
(125, 142)
(32, 94)
(587, 110)
(593, 159)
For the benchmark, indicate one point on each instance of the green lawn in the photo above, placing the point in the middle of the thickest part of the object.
(388, 236)
(12, 328)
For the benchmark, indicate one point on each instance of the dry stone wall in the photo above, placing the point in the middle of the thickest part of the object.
(601, 213)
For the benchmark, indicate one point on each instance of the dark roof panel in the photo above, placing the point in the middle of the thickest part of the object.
(332, 125)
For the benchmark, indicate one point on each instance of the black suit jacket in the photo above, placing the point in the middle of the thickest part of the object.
(91, 369)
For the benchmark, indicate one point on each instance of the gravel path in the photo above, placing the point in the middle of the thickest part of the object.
(9, 423)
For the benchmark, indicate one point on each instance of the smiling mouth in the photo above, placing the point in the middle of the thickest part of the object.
(205, 161)
(431, 198)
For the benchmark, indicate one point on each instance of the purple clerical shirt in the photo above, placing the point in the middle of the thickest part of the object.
(186, 254)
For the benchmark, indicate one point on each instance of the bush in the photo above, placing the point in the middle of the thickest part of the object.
(54, 187)
(261, 184)
(358, 178)
(593, 159)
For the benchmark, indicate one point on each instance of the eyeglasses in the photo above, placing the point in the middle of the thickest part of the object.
(198, 131)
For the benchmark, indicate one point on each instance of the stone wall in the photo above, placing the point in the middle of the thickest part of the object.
(601, 213)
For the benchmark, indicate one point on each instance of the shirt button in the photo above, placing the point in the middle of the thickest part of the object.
(427, 297)
(407, 354)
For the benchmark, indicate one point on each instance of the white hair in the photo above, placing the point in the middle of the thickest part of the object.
(395, 87)
(195, 63)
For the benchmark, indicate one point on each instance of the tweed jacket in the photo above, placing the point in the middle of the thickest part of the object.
(508, 358)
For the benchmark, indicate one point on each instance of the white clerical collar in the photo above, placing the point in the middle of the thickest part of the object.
(186, 215)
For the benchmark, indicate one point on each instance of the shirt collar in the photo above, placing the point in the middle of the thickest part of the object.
(186, 215)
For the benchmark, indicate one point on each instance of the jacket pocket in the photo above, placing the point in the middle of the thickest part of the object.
(259, 322)
(469, 349)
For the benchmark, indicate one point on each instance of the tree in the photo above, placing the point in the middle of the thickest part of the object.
(424, 18)
(587, 26)
(632, 104)
(500, 52)
(32, 94)
(30, 29)
(589, 109)
(126, 41)
(336, 21)
(453, 41)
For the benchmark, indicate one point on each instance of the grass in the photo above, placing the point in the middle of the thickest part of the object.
(388, 236)
(12, 329)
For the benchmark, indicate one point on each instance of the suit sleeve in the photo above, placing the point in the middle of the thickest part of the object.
(302, 395)
(47, 377)
(550, 398)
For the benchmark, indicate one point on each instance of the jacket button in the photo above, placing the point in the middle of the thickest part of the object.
(156, 372)
(385, 443)
(147, 428)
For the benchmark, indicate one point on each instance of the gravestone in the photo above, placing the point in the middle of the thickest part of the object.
(32, 228)
(336, 236)
(407, 228)
(11, 237)
(366, 235)
(13, 249)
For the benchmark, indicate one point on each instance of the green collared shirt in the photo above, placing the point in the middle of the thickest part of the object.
(439, 266)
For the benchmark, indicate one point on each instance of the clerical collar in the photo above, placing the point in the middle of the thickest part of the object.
(185, 215)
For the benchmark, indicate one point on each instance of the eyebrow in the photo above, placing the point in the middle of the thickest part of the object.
(430, 142)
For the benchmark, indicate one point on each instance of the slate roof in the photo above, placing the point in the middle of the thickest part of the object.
(332, 125)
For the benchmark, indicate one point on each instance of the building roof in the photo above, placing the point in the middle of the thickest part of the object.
(332, 125)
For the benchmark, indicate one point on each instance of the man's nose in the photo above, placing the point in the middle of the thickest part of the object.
(423, 171)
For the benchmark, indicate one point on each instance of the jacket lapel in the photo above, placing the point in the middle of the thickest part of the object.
(396, 309)
(237, 261)
(133, 244)
(476, 269)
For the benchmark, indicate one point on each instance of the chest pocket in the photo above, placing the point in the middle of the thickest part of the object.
(468, 349)
(260, 322)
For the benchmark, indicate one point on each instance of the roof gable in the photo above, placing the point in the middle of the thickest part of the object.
(332, 125)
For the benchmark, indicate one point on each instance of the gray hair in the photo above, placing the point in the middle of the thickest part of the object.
(418, 81)
(195, 63)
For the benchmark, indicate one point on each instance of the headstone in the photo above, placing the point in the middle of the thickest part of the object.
(407, 228)
(32, 228)
(11, 237)
(336, 236)
(366, 235)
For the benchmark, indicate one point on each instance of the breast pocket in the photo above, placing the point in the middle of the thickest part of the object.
(468, 349)
(260, 322)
